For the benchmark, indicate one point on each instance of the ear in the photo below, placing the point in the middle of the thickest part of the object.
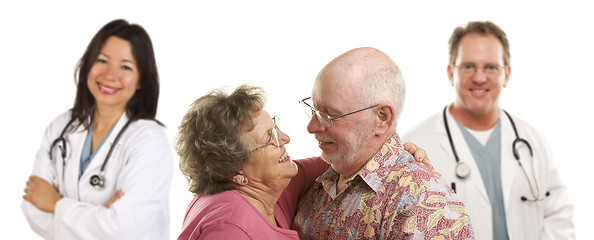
(451, 74)
(507, 73)
(240, 179)
(386, 117)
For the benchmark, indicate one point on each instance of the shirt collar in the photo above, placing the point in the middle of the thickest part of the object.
(373, 173)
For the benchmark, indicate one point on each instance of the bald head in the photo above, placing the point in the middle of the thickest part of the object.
(366, 75)
(367, 57)
(362, 90)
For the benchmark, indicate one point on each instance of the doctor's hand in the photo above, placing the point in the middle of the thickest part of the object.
(117, 195)
(418, 153)
(41, 194)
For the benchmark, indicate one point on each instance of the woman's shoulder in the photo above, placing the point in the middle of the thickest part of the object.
(220, 207)
(62, 118)
(226, 199)
(150, 129)
(148, 124)
(229, 211)
(60, 122)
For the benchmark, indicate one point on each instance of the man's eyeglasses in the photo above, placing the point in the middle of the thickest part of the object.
(323, 117)
(273, 133)
(489, 70)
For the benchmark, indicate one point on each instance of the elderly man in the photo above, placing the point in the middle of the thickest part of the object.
(374, 189)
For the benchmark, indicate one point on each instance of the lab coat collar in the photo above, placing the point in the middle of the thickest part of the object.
(77, 139)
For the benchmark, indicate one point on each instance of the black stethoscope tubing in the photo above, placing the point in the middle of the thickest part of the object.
(97, 180)
(59, 140)
(463, 170)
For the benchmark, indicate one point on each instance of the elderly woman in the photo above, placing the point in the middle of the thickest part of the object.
(234, 157)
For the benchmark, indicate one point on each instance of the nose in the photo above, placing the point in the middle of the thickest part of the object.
(112, 72)
(315, 125)
(283, 138)
(479, 76)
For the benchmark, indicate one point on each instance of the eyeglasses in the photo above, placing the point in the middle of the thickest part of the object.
(489, 70)
(273, 133)
(323, 117)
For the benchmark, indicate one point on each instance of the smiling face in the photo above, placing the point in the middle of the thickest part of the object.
(113, 78)
(268, 164)
(346, 144)
(478, 93)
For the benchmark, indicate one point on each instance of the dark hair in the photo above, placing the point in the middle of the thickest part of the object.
(485, 28)
(143, 104)
(212, 140)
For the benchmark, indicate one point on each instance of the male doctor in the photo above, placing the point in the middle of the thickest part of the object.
(472, 140)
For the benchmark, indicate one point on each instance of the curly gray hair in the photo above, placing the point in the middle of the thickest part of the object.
(211, 142)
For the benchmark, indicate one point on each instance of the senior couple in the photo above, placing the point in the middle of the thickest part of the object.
(365, 184)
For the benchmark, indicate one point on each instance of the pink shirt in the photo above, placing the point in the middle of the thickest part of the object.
(228, 215)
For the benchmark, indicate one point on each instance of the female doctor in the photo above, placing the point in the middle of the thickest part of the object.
(104, 168)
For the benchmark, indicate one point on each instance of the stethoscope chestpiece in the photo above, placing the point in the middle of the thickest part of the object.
(98, 181)
(462, 170)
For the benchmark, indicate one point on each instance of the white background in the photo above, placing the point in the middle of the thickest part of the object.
(281, 46)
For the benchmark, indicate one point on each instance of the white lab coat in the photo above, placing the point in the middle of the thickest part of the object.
(548, 219)
(140, 165)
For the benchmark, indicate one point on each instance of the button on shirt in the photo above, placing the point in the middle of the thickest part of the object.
(392, 197)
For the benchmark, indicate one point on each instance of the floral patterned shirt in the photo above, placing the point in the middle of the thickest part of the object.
(392, 197)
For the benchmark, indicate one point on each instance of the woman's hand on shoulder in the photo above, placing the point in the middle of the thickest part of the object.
(418, 153)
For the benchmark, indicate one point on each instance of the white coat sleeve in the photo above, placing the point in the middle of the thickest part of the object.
(145, 179)
(42, 222)
(558, 217)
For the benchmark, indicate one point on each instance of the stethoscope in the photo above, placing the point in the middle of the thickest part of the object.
(463, 170)
(97, 180)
